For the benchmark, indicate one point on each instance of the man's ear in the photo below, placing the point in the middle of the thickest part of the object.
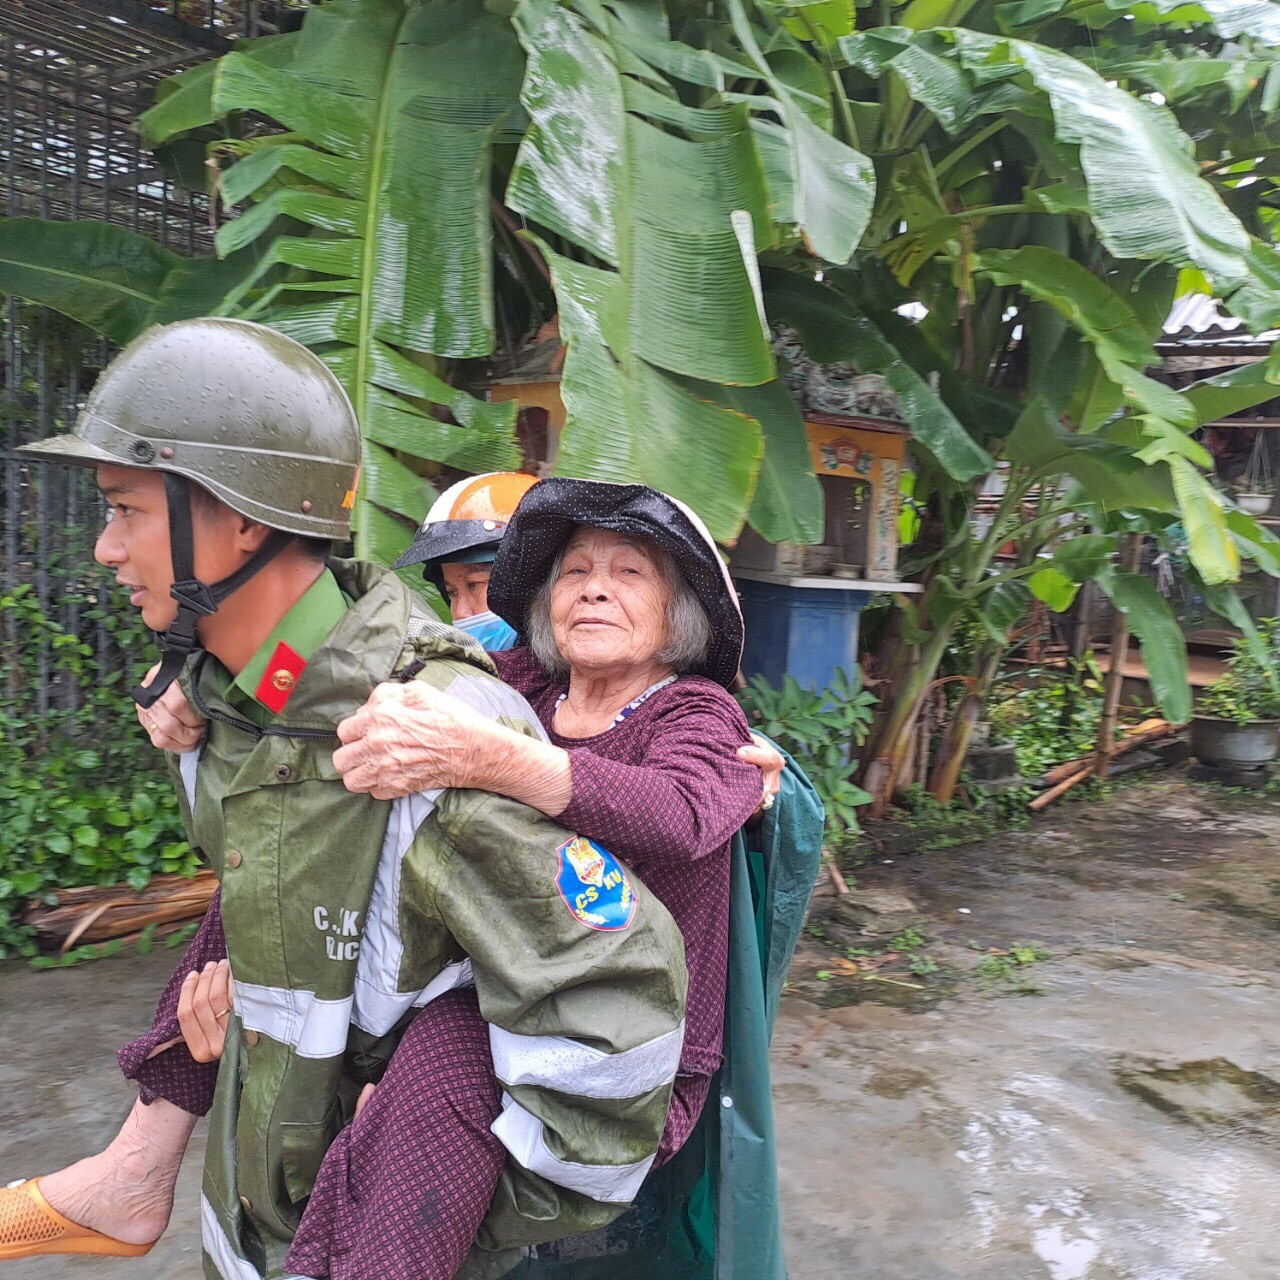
(250, 535)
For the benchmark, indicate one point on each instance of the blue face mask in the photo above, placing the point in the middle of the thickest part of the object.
(489, 629)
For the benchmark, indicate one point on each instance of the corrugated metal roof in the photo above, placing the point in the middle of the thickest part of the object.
(1198, 313)
(1198, 316)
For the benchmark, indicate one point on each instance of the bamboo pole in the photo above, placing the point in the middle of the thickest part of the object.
(1066, 776)
(1115, 672)
(1147, 731)
(1046, 798)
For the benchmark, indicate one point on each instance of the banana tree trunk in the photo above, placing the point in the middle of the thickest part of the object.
(946, 770)
(1115, 673)
(895, 739)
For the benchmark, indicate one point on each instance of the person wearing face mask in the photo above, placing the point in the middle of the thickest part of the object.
(457, 544)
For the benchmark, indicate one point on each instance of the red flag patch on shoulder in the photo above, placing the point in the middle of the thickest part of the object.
(280, 678)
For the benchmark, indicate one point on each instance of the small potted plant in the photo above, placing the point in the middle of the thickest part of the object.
(1257, 499)
(1255, 489)
(1237, 717)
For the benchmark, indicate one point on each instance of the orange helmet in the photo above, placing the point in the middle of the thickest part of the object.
(467, 521)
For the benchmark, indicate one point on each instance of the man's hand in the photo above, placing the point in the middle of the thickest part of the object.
(171, 723)
(770, 763)
(409, 738)
(204, 1008)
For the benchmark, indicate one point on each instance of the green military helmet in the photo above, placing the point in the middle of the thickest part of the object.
(245, 412)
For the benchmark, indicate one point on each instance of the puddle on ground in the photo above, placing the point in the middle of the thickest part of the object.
(841, 993)
(1067, 1252)
(1213, 1091)
(897, 1083)
(1221, 900)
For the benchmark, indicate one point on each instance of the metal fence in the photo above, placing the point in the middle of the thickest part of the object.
(74, 75)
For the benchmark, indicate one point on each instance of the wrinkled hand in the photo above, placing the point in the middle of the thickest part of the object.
(409, 738)
(171, 723)
(769, 762)
(204, 1009)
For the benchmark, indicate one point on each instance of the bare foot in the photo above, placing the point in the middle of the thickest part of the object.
(126, 1191)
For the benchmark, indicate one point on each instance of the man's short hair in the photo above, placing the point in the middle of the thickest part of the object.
(204, 503)
(688, 627)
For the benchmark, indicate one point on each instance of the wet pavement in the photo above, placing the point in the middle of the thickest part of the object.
(1111, 1112)
(1055, 1054)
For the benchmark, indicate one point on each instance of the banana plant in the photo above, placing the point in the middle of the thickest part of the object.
(372, 201)
(1044, 237)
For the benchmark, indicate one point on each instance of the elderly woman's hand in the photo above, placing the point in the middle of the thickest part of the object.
(205, 1002)
(171, 723)
(770, 763)
(409, 738)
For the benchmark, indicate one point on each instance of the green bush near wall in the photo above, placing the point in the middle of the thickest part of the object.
(84, 799)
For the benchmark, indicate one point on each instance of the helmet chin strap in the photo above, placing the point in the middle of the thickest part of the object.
(195, 599)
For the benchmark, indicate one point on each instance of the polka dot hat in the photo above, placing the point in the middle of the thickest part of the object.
(553, 509)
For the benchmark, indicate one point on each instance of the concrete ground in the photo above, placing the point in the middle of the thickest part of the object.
(949, 1104)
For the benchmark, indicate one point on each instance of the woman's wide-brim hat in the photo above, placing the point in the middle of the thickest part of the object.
(553, 509)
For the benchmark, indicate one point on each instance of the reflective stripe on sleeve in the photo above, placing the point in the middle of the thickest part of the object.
(378, 1010)
(313, 1028)
(218, 1246)
(378, 1005)
(555, 1062)
(523, 1134)
(188, 763)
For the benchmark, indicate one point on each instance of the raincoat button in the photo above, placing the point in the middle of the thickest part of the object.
(283, 773)
(245, 1205)
(234, 858)
(251, 1038)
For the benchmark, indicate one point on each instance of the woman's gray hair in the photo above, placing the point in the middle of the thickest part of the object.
(688, 627)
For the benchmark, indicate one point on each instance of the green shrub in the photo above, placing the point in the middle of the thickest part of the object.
(1051, 716)
(821, 731)
(1249, 689)
(84, 799)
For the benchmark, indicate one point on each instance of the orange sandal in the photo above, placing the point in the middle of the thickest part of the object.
(30, 1227)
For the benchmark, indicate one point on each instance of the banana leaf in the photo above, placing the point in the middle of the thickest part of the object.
(1259, 18)
(389, 112)
(832, 186)
(1227, 393)
(630, 421)
(110, 278)
(788, 503)
(833, 328)
(1164, 649)
(672, 200)
(1101, 315)
(1147, 198)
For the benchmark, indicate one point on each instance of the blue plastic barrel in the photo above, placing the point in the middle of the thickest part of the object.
(805, 632)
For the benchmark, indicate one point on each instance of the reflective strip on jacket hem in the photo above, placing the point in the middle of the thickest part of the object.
(555, 1062)
(313, 1028)
(217, 1244)
(522, 1133)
